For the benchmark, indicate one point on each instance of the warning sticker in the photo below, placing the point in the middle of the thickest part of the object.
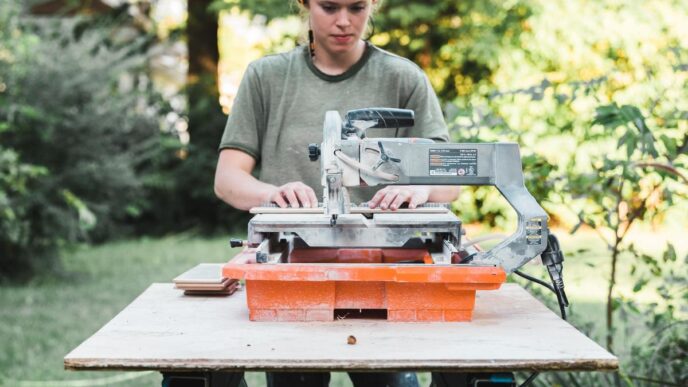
(453, 162)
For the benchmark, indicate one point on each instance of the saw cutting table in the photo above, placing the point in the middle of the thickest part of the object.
(164, 330)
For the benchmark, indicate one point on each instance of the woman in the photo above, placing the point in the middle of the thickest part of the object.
(281, 105)
(280, 109)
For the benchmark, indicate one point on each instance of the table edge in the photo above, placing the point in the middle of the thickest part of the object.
(607, 364)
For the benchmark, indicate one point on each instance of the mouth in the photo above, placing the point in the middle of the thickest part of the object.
(344, 38)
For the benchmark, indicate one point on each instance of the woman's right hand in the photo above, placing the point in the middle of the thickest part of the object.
(294, 194)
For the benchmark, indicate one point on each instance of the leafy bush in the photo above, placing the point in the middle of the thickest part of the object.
(78, 127)
(16, 180)
(660, 357)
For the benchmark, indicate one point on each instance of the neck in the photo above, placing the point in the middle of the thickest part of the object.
(337, 63)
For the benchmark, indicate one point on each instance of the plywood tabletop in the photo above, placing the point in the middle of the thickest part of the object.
(164, 330)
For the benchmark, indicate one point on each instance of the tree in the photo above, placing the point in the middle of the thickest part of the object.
(77, 126)
(183, 187)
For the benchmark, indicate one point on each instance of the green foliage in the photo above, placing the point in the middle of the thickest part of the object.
(78, 126)
(660, 356)
(457, 43)
(626, 166)
(269, 8)
(626, 187)
(635, 130)
(619, 190)
(600, 115)
(179, 185)
(16, 180)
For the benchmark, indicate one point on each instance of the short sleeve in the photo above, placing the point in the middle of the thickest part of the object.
(428, 114)
(246, 123)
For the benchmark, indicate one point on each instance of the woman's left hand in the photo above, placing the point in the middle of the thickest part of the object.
(392, 197)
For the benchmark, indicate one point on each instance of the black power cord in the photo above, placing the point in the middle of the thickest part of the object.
(553, 258)
(536, 280)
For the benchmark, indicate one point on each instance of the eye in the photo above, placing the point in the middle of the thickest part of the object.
(356, 8)
(329, 8)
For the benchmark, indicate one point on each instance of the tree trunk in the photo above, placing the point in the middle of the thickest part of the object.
(610, 299)
(202, 45)
(195, 203)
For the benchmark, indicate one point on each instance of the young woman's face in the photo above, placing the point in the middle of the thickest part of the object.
(338, 24)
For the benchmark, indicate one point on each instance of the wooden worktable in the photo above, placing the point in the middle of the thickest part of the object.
(164, 330)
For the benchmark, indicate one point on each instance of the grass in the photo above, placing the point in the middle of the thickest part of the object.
(42, 321)
(46, 318)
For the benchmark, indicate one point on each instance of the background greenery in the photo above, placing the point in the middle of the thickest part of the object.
(93, 151)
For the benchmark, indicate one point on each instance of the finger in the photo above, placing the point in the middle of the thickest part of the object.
(402, 197)
(279, 200)
(291, 197)
(416, 200)
(312, 197)
(388, 199)
(302, 197)
(379, 195)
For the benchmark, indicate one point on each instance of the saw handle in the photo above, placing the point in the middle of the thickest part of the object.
(385, 117)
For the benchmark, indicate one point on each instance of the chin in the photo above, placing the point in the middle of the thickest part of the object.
(343, 47)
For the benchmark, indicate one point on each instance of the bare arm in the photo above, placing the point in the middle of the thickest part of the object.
(235, 185)
(443, 193)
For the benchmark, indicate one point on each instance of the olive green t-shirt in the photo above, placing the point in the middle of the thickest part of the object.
(281, 103)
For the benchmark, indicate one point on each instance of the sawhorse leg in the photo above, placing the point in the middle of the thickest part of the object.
(203, 379)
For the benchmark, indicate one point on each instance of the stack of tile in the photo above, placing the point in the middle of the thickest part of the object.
(205, 280)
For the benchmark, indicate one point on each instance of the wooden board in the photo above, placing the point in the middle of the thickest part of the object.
(164, 330)
(226, 291)
(204, 273)
(205, 279)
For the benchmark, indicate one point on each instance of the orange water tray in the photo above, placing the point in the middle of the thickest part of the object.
(324, 284)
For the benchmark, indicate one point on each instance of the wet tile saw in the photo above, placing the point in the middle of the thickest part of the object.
(317, 264)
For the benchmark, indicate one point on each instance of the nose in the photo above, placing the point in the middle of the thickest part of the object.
(343, 18)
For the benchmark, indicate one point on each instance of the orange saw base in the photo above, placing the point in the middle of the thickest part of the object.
(318, 291)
